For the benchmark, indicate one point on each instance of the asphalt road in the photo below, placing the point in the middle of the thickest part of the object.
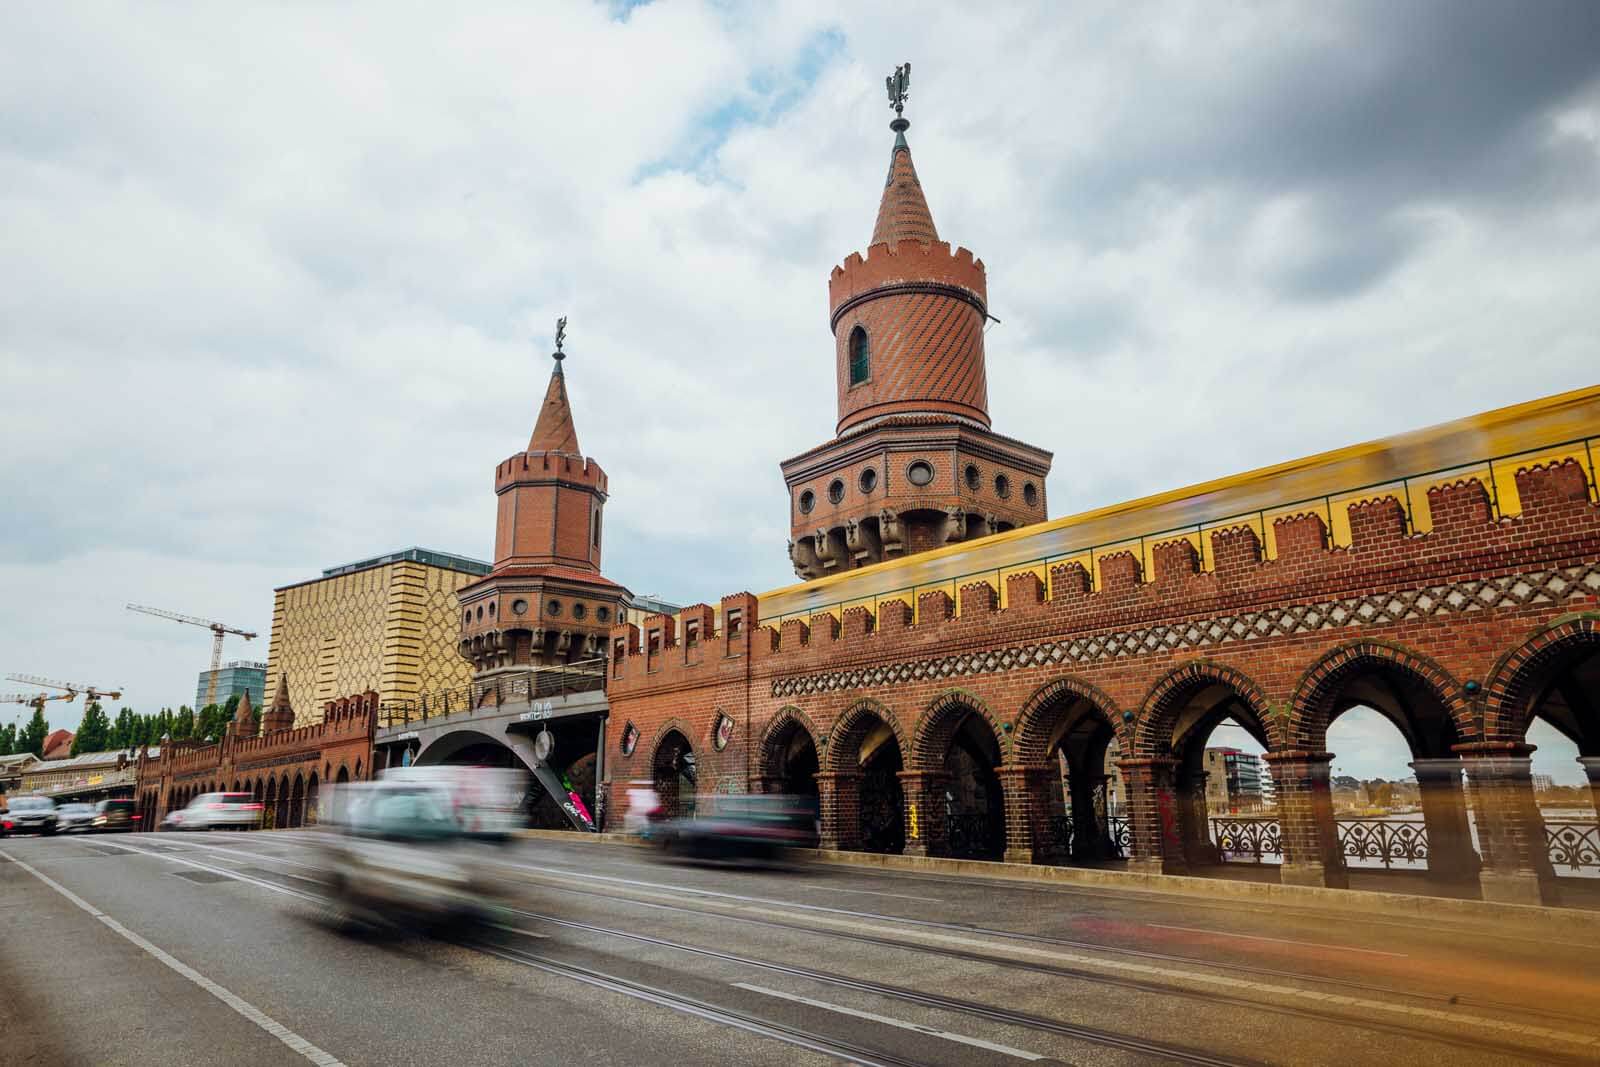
(209, 949)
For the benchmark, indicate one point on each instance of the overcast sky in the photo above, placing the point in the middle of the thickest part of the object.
(277, 283)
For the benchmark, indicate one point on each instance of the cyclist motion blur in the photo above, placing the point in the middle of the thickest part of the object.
(419, 847)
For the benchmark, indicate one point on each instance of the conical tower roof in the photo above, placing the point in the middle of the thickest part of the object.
(280, 699)
(244, 713)
(555, 432)
(903, 212)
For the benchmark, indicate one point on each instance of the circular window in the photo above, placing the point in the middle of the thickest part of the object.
(808, 500)
(869, 479)
(920, 473)
(1002, 485)
(836, 491)
(601, 614)
(972, 478)
(579, 611)
(553, 608)
(1030, 494)
(519, 607)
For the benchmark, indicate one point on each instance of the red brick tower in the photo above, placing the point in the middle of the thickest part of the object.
(244, 718)
(545, 602)
(914, 464)
(279, 716)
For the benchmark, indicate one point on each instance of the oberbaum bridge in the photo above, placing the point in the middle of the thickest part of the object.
(952, 671)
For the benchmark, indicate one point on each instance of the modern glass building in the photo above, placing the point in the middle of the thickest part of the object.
(234, 679)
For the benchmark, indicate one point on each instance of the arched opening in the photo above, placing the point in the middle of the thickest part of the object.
(269, 812)
(860, 356)
(963, 803)
(674, 771)
(1066, 743)
(312, 800)
(789, 764)
(1209, 722)
(281, 816)
(297, 801)
(343, 776)
(868, 811)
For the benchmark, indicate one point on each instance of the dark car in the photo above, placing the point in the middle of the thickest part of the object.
(750, 826)
(111, 816)
(74, 818)
(32, 815)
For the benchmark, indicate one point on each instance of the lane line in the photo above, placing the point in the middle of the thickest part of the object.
(285, 890)
(1279, 940)
(260, 1018)
(867, 892)
(976, 1042)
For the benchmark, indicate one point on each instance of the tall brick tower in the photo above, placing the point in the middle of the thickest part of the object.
(913, 464)
(545, 602)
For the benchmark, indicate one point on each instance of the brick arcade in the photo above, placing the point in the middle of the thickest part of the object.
(944, 728)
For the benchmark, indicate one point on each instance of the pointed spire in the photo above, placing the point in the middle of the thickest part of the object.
(903, 213)
(279, 715)
(280, 699)
(244, 712)
(554, 432)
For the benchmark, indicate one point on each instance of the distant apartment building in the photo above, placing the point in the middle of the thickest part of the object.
(1233, 780)
(233, 679)
(1543, 783)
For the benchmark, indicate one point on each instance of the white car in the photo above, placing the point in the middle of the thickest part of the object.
(216, 811)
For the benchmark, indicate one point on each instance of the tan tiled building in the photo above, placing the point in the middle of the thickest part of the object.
(387, 625)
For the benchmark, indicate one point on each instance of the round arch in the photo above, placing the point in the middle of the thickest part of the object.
(1045, 712)
(853, 727)
(1167, 711)
(1541, 677)
(675, 772)
(939, 723)
(785, 729)
(1419, 696)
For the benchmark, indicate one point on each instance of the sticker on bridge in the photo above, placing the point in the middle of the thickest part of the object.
(538, 712)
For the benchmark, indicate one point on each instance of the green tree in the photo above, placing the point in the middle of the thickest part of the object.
(94, 733)
(34, 733)
(229, 708)
(183, 724)
(208, 723)
(8, 739)
(125, 732)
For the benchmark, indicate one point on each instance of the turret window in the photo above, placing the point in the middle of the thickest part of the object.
(860, 356)
(836, 491)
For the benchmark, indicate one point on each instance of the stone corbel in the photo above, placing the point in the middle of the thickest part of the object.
(991, 524)
(955, 524)
(803, 554)
(862, 542)
(830, 548)
(563, 642)
(891, 535)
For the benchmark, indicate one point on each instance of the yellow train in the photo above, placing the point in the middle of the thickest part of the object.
(1490, 446)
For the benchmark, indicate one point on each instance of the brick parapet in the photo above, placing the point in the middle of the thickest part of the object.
(907, 261)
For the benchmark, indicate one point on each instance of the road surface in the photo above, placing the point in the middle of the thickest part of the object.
(207, 949)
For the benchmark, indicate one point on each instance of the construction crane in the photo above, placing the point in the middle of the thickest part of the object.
(70, 691)
(217, 631)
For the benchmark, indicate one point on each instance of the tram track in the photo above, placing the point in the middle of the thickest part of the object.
(1212, 998)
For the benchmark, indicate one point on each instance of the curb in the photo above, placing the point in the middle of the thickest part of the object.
(1356, 903)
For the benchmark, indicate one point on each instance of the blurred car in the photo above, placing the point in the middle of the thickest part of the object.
(111, 816)
(216, 811)
(758, 826)
(74, 817)
(32, 815)
(417, 850)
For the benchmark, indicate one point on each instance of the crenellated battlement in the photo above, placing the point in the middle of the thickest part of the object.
(534, 468)
(906, 262)
(1231, 573)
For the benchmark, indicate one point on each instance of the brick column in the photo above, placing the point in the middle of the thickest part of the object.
(1312, 854)
(1444, 812)
(1516, 857)
(925, 812)
(1026, 788)
(1155, 843)
(1194, 822)
(839, 805)
(1591, 767)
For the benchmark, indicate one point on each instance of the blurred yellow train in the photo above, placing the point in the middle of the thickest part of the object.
(1490, 447)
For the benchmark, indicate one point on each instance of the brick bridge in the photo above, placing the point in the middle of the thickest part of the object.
(921, 728)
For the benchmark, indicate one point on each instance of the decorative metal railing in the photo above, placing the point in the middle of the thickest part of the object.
(1574, 847)
(1061, 831)
(973, 834)
(537, 683)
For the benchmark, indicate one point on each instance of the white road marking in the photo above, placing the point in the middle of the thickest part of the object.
(868, 892)
(976, 1042)
(1279, 940)
(285, 890)
(239, 1004)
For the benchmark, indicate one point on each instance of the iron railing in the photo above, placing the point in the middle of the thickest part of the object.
(1573, 847)
(536, 683)
(1581, 449)
(1061, 831)
(973, 835)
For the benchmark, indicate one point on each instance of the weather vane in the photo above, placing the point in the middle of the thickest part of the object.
(899, 85)
(561, 336)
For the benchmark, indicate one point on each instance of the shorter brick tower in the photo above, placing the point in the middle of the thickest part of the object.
(244, 718)
(279, 715)
(545, 603)
(914, 463)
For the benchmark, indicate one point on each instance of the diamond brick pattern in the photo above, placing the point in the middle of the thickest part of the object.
(1376, 609)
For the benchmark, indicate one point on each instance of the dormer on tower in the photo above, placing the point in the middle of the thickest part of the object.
(914, 463)
(545, 602)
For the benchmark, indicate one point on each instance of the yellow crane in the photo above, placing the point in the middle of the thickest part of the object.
(217, 631)
(69, 691)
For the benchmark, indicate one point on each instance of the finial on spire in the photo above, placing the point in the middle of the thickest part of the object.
(561, 336)
(899, 86)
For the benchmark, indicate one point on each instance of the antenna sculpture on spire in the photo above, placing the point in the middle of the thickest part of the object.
(561, 336)
(899, 85)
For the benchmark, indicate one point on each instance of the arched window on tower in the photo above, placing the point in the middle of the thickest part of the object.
(860, 356)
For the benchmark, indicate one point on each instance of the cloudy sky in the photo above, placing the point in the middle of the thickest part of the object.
(277, 282)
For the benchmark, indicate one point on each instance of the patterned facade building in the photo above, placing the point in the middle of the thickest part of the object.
(387, 624)
(930, 709)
